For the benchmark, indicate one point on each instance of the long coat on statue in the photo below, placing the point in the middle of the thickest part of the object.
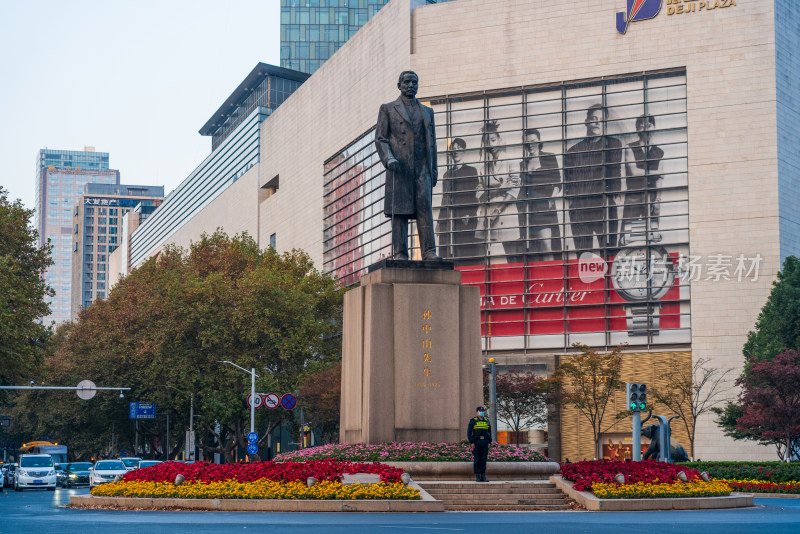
(394, 139)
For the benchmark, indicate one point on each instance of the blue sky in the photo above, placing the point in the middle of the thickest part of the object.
(135, 79)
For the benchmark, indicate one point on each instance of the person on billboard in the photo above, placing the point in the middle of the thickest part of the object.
(458, 215)
(541, 189)
(592, 174)
(642, 162)
(498, 222)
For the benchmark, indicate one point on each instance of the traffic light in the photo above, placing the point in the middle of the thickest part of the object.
(637, 397)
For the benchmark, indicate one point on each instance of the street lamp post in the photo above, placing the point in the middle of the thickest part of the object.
(493, 397)
(253, 376)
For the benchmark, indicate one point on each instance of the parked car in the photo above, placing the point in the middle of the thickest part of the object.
(35, 471)
(3, 469)
(148, 463)
(77, 474)
(8, 476)
(131, 462)
(106, 471)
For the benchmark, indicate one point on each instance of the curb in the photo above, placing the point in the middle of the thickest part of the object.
(592, 503)
(426, 504)
(256, 505)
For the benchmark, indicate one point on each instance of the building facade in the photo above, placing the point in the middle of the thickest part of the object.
(235, 129)
(312, 30)
(592, 181)
(606, 177)
(98, 229)
(61, 176)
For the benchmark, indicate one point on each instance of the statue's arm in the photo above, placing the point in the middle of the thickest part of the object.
(382, 132)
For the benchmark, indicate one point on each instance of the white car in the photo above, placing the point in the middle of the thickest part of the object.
(35, 471)
(131, 462)
(106, 471)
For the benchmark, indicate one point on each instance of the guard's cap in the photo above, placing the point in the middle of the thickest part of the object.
(480, 409)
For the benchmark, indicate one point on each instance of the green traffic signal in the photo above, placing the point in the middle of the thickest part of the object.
(633, 406)
(642, 406)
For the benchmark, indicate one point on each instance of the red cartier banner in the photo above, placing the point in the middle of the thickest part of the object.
(542, 301)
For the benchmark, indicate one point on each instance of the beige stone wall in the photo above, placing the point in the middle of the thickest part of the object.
(648, 367)
(233, 211)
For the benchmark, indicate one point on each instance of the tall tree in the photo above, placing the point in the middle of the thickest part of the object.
(320, 395)
(587, 381)
(778, 325)
(521, 400)
(22, 292)
(693, 392)
(770, 402)
(164, 329)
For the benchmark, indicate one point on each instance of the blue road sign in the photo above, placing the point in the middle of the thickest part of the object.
(252, 448)
(252, 437)
(142, 410)
(288, 401)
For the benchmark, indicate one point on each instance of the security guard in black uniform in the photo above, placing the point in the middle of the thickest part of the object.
(479, 433)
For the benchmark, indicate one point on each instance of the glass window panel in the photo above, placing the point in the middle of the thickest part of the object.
(516, 220)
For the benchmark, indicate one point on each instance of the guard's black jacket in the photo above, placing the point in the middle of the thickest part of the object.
(479, 430)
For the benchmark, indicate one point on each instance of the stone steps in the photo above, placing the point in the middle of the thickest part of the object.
(520, 493)
(500, 485)
(499, 495)
(505, 507)
(476, 501)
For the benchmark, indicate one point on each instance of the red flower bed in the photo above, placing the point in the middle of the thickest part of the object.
(584, 474)
(760, 486)
(279, 472)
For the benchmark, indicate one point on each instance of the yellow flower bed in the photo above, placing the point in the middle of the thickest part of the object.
(643, 490)
(259, 489)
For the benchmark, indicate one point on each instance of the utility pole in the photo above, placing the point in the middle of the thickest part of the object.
(253, 377)
(166, 451)
(190, 446)
(253, 399)
(493, 397)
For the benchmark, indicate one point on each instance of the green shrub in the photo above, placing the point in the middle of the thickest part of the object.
(771, 471)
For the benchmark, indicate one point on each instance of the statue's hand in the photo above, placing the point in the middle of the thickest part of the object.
(392, 165)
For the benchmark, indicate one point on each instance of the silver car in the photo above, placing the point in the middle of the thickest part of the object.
(106, 471)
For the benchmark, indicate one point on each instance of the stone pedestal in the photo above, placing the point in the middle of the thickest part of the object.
(411, 360)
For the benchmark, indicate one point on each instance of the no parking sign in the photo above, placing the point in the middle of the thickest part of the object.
(288, 401)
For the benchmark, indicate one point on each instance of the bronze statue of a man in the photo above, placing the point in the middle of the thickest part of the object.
(405, 138)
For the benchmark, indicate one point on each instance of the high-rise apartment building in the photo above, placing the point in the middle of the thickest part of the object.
(312, 30)
(97, 231)
(61, 176)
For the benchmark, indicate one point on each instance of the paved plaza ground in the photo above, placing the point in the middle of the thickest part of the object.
(43, 512)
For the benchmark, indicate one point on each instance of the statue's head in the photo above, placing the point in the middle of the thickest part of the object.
(650, 431)
(408, 83)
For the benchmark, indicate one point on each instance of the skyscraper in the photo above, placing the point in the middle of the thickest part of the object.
(98, 217)
(60, 179)
(312, 30)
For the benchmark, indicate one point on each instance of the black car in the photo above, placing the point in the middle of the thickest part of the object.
(59, 474)
(77, 474)
(8, 477)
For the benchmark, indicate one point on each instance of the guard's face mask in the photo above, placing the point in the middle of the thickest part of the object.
(481, 414)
